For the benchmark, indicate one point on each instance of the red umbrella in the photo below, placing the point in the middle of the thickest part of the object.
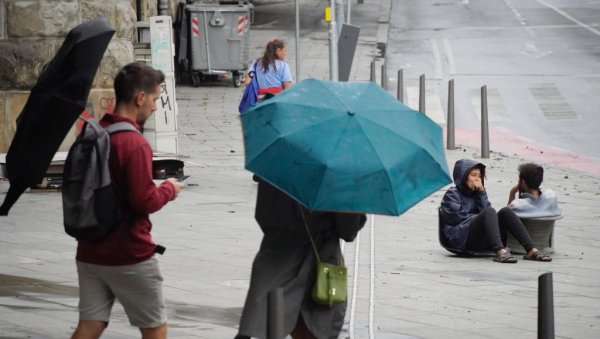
(55, 102)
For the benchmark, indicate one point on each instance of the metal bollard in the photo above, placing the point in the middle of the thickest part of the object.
(400, 93)
(275, 314)
(422, 93)
(545, 307)
(373, 71)
(485, 134)
(383, 77)
(450, 124)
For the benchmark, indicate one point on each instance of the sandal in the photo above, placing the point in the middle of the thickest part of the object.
(537, 256)
(505, 258)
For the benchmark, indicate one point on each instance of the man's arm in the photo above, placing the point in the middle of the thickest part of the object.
(512, 194)
(143, 195)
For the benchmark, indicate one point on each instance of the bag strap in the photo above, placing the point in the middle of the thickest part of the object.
(309, 235)
(255, 77)
(120, 126)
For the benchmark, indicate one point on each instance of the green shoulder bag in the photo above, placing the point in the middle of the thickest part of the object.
(331, 283)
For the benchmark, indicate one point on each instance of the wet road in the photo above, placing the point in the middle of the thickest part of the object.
(539, 59)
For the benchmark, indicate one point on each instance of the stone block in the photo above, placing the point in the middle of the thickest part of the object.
(41, 18)
(14, 103)
(125, 21)
(120, 14)
(149, 8)
(22, 60)
(118, 54)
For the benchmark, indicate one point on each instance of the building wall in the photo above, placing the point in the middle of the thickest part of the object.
(31, 31)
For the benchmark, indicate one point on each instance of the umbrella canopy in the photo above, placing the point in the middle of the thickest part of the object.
(343, 146)
(55, 102)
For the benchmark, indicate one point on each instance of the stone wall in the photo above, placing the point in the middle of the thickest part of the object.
(35, 29)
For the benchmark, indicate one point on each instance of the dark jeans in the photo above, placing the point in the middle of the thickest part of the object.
(488, 230)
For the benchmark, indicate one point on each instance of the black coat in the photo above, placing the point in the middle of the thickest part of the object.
(286, 259)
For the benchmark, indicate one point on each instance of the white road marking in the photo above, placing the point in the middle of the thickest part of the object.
(449, 56)
(372, 281)
(566, 15)
(354, 288)
(436, 59)
(433, 104)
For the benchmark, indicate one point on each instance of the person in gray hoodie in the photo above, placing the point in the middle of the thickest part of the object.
(470, 222)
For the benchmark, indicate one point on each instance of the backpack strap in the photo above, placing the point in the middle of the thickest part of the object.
(120, 126)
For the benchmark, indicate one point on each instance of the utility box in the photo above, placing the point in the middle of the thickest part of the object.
(161, 128)
(219, 40)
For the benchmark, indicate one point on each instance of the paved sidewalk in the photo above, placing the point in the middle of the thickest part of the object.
(211, 237)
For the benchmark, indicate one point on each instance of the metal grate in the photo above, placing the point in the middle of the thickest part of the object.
(551, 102)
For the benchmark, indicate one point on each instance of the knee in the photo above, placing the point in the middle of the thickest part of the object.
(506, 211)
(89, 329)
(489, 211)
(159, 332)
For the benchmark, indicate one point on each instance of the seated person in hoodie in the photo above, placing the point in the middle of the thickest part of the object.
(527, 199)
(470, 222)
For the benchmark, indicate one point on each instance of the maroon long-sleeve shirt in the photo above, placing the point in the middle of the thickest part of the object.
(131, 173)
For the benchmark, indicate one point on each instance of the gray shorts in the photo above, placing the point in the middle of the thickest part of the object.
(137, 287)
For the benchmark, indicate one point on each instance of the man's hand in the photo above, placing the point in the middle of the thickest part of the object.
(513, 192)
(178, 185)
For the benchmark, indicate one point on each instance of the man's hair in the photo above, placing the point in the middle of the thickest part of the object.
(135, 77)
(532, 174)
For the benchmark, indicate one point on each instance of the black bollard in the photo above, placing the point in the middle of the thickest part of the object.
(450, 124)
(275, 314)
(400, 91)
(422, 93)
(485, 134)
(383, 77)
(545, 307)
(373, 71)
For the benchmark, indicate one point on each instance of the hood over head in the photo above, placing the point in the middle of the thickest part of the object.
(462, 168)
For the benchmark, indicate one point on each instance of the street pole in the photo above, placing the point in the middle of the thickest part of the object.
(162, 7)
(333, 52)
(297, 40)
(339, 16)
(349, 11)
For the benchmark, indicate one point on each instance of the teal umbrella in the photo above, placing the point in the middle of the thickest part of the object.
(344, 146)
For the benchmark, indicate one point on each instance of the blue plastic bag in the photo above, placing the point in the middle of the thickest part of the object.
(250, 95)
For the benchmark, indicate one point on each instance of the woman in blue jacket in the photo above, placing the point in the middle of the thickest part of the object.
(470, 222)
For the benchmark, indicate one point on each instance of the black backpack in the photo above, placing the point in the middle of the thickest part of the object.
(90, 209)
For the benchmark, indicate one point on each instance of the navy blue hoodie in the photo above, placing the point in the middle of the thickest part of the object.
(460, 204)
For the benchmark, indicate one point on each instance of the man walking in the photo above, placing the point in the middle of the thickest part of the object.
(123, 265)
